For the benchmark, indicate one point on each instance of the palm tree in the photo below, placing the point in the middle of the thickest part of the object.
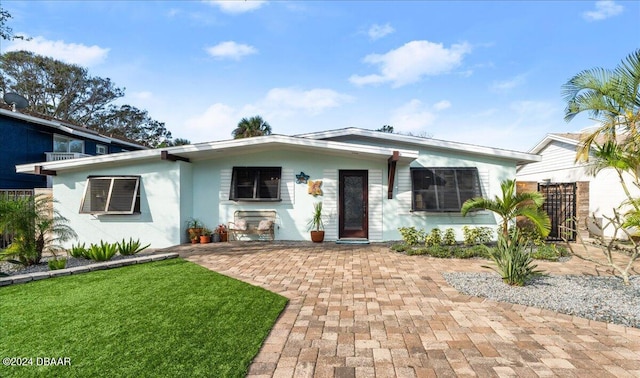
(34, 226)
(254, 126)
(512, 205)
(611, 97)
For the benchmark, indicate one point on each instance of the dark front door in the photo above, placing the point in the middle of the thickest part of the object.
(353, 204)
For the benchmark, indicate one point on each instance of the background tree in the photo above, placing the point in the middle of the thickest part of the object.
(252, 127)
(35, 227)
(386, 129)
(6, 32)
(69, 93)
(612, 98)
(512, 205)
(129, 122)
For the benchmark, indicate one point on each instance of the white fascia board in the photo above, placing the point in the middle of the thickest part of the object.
(548, 139)
(521, 157)
(193, 150)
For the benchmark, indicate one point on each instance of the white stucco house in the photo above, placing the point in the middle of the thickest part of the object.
(571, 189)
(371, 184)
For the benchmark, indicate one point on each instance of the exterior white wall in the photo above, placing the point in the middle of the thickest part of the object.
(558, 166)
(159, 221)
(212, 181)
(173, 192)
(398, 211)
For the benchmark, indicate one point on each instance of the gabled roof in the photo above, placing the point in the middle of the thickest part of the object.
(520, 157)
(68, 128)
(223, 149)
(569, 138)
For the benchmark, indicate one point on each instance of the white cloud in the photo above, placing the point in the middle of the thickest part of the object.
(410, 62)
(507, 85)
(237, 6)
(143, 95)
(231, 50)
(604, 9)
(73, 53)
(378, 31)
(414, 116)
(216, 123)
(442, 105)
(276, 107)
(312, 101)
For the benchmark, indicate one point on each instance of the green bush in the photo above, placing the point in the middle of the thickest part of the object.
(131, 247)
(477, 235)
(512, 261)
(434, 238)
(439, 251)
(411, 235)
(102, 252)
(79, 251)
(550, 252)
(449, 237)
(55, 264)
(399, 247)
(417, 251)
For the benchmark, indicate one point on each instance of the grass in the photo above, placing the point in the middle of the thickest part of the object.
(170, 318)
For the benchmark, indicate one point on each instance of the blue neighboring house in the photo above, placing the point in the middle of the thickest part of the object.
(28, 138)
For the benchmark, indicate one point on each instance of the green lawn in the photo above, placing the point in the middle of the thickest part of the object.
(170, 318)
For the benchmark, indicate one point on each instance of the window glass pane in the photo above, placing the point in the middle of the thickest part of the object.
(96, 195)
(101, 149)
(119, 195)
(60, 144)
(123, 195)
(76, 146)
(269, 183)
(254, 183)
(443, 189)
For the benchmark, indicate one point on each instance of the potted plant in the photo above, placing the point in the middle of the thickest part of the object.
(222, 231)
(205, 236)
(194, 229)
(315, 224)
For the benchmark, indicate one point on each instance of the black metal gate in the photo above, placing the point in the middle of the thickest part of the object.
(560, 204)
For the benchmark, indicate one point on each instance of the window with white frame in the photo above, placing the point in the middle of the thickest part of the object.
(101, 149)
(111, 195)
(255, 184)
(443, 189)
(66, 144)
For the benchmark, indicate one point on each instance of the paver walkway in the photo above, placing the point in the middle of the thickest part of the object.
(365, 311)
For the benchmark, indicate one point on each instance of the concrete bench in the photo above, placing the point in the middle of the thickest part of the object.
(253, 222)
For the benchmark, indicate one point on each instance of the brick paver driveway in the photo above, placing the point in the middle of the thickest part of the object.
(365, 311)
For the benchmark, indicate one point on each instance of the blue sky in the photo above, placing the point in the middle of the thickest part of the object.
(483, 72)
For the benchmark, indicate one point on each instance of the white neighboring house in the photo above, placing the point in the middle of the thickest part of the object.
(594, 196)
(372, 183)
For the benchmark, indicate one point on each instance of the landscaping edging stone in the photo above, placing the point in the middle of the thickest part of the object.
(23, 278)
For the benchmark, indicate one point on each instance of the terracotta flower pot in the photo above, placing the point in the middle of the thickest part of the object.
(317, 236)
(204, 239)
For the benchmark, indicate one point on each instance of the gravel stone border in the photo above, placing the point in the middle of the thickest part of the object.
(605, 299)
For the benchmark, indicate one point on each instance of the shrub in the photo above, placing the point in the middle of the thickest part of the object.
(102, 252)
(55, 264)
(434, 238)
(550, 252)
(449, 237)
(477, 235)
(78, 251)
(439, 251)
(417, 251)
(400, 247)
(513, 263)
(411, 236)
(131, 247)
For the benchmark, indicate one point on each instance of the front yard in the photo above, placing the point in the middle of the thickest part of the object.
(165, 319)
